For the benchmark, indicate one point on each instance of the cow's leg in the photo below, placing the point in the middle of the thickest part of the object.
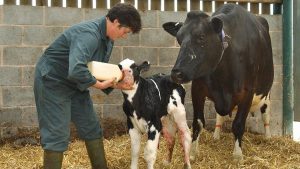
(238, 126)
(265, 112)
(184, 133)
(198, 100)
(135, 138)
(219, 123)
(151, 146)
(169, 131)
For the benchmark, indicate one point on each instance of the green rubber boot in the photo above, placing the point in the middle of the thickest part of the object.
(52, 159)
(96, 153)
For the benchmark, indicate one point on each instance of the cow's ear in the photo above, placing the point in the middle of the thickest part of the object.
(145, 66)
(172, 27)
(217, 24)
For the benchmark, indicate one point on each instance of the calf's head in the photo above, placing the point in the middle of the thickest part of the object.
(132, 71)
(200, 40)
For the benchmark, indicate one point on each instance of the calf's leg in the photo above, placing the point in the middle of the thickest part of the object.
(265, 113)
(135, 138)
(266, 119)
(169, 131)
(151, 146)
(184, 134)
(219, 123)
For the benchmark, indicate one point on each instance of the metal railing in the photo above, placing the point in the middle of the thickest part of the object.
(254, 6)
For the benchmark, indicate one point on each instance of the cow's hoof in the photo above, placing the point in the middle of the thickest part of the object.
(187, 166)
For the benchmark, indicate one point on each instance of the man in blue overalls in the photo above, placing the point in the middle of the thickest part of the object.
(62, 80)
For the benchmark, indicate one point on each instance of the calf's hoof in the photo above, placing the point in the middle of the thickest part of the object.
(268, 134)
(192, 157)
(237, 157)
(187, 166)
(166, 162)
(216, 136)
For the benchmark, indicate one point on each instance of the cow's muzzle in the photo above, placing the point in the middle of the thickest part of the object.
(177, 76)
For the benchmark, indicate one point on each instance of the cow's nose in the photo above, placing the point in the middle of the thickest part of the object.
(176, 75)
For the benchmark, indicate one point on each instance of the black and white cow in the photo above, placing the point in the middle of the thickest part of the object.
(228, 58)
(155, 105)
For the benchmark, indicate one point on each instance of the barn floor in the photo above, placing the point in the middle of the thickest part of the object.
(259, 153)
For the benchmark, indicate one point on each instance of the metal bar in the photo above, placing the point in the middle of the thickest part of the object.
(249, 6)
(136, 4)
(288, 89)
(149, 4)
(296, 61)
(201, 5)
(271, 9)
(93, 4)
(64, 3)
(259, 8)
(107, 4)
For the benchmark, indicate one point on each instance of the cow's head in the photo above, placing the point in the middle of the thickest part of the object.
(200, 39)
(132, 71)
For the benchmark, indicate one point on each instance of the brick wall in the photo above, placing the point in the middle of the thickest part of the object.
(26, 31)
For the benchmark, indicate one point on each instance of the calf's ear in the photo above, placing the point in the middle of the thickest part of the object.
(145, 66)
(172, 27)
(217, 23)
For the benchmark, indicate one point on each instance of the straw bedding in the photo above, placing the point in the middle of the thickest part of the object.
(259, 153)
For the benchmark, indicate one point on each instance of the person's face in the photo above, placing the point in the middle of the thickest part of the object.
(117, 31)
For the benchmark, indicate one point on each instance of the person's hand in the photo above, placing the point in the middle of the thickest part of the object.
(105, 84)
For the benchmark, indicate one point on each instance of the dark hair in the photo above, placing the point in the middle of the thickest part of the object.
(127, 16)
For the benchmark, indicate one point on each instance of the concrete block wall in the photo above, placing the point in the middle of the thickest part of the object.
(26, 31)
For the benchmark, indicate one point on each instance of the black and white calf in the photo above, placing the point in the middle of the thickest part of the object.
(155, 105)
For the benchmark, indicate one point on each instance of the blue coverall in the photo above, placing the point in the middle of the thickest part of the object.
(62, 80)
